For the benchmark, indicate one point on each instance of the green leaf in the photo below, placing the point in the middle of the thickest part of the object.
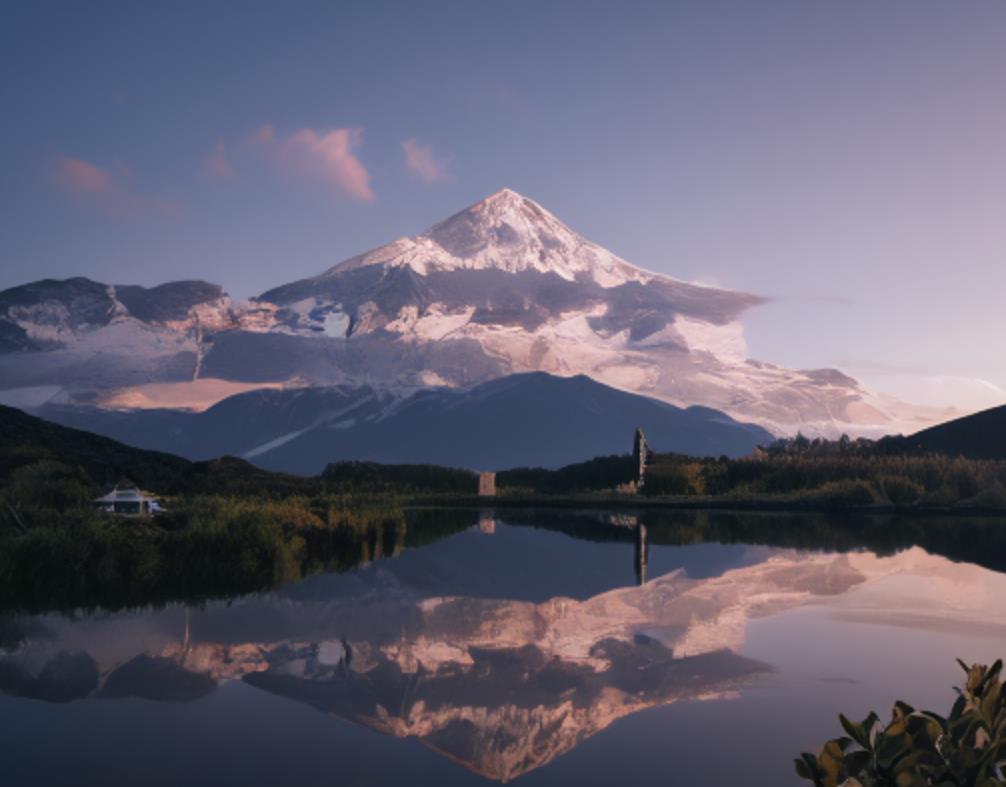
(935, 717)
(802, 770)
(890, 748)
(854, 730)
(870, 726)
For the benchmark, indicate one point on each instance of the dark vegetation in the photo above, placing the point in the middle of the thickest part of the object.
(602, 473)
(232, 528)
(99, 461)
(840, 474)
(920, 748)
(835, 481)
(413, 480)
(71, 556)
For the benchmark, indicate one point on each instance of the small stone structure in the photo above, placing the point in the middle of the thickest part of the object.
(487, 484)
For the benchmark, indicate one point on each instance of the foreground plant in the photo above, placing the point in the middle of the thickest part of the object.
(921, 748)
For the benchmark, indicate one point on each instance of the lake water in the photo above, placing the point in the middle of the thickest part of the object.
(693, 649)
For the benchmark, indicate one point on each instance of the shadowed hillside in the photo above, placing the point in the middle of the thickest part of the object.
(26, 440)
(978, 436)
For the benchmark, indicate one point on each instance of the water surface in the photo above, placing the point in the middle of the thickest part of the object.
(693, 649)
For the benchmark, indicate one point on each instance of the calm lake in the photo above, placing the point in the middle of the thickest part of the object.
(559, 649)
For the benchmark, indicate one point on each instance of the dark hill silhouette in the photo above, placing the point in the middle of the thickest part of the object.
(523, 420)
(25, 439)
(978, 436)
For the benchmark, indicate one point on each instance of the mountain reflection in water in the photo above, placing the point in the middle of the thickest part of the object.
(498, 685)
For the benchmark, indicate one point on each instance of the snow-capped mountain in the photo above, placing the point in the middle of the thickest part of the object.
(500, 288)
(80, 340)
(504, 264)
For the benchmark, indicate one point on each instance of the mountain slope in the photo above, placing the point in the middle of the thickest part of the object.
(978, 436)
(523, 420)
(25, 439)
(79, 339)
(500, 288)
(511, 263)
(239, 425)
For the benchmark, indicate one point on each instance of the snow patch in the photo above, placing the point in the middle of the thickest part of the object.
(336, 324)
(273, 444)
(726, 342)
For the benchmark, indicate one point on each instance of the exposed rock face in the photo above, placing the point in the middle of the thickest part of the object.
(81, 337)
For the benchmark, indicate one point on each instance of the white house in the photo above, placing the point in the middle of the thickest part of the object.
(126, 499)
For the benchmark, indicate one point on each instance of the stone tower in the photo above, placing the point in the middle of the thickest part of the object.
(640, 454)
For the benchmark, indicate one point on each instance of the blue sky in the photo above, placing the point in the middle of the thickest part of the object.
(845, 159)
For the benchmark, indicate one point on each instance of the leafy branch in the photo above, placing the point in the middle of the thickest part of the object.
(920, 748)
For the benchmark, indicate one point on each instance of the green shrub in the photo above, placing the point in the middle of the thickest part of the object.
(920, 748)
(899, 490)
(993, 496)
(842, 494)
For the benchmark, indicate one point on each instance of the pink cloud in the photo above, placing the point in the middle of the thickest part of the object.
(419, 159)
(105, 189)
(329, 156)
(82, 177)
(263, 136)
(218, 166)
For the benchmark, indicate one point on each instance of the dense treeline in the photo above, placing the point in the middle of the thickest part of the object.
(837, 474)
(66, 555)
(837, 480)
(400, 479)
(604, 472)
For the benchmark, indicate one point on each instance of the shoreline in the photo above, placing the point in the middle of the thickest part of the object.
(625, 503)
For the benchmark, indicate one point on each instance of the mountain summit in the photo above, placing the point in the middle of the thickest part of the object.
(507, 232)
(502, 287)
(504, 261)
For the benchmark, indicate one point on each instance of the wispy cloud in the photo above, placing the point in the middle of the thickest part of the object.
(327, 155)
(262, 136)
(108, 190)
(218, 165)
(925, 386)
(82, 177)
(420, 160)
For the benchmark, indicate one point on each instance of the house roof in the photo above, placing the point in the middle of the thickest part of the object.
(128, 494)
